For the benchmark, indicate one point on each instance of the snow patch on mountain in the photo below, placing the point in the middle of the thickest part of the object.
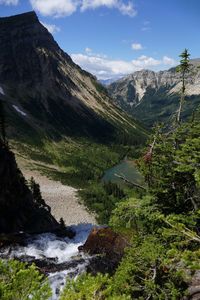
(19, 110)
(2, 91)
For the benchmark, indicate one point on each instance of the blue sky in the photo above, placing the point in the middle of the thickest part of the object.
(112, 38)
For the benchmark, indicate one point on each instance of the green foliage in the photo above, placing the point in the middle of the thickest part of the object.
(20, 282)
(78, 162)
(102, 198)
(184, 62)
(144, 273)
(183, 68)
(173, 171)
(139, 215)
(86, 287)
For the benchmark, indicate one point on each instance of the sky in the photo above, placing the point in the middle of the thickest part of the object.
(113, 38)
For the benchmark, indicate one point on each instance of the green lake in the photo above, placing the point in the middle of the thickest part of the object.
(127, 168)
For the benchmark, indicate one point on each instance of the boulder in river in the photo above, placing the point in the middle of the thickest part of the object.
(105, 241)
(109, 244)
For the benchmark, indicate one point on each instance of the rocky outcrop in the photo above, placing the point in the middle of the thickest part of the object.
(45, 93)
(105, 241)
(18, 211)
(153, 96)
(107, 248)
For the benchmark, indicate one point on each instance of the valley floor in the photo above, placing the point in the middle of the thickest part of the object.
(62, 199)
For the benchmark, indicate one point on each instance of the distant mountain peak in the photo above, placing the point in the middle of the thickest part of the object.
(153, 96)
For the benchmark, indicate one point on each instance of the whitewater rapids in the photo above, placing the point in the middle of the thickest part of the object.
(48, 246)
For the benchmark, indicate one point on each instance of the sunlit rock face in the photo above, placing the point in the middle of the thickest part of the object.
(153, 96)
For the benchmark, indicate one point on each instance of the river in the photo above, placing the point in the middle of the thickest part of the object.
(58, 257)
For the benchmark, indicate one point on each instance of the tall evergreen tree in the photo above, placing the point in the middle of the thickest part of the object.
(183, 68)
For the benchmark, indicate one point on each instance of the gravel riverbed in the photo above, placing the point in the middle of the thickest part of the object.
(62, 199)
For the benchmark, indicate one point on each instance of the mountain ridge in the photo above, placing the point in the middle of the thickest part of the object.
(146, 93)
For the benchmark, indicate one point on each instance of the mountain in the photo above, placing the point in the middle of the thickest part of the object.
(45, 94)
(153, 96)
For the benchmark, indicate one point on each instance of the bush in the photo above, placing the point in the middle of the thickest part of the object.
(20, 282)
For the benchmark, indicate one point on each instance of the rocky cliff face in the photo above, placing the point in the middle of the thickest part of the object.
(46, 94)
(18, 211)
(153, 96)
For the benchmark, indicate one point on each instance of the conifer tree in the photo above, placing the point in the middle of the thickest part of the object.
(183, 68)
(62, 224)
(35, 189)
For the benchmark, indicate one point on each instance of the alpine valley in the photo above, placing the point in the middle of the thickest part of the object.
(93, 206)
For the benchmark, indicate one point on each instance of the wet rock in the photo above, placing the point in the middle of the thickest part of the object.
(194, 287)
(105, 241)
(47, 265)
(12, 239)
(65, 232)
(108, 248)
(102, 264)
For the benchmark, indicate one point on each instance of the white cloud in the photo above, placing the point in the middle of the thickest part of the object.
(169, 61)
(55, 8)
(136, 46)
(60, 8)
(105, 68)
(92, 4)
(51, 27)
(145, 61)
(125, 9)
(88, 50)
(9, 2)
(102, 67)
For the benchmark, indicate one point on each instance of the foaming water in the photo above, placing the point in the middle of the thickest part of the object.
(59, 251)
(57, 280)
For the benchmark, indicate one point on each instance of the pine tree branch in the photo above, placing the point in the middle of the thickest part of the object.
(187, 232)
